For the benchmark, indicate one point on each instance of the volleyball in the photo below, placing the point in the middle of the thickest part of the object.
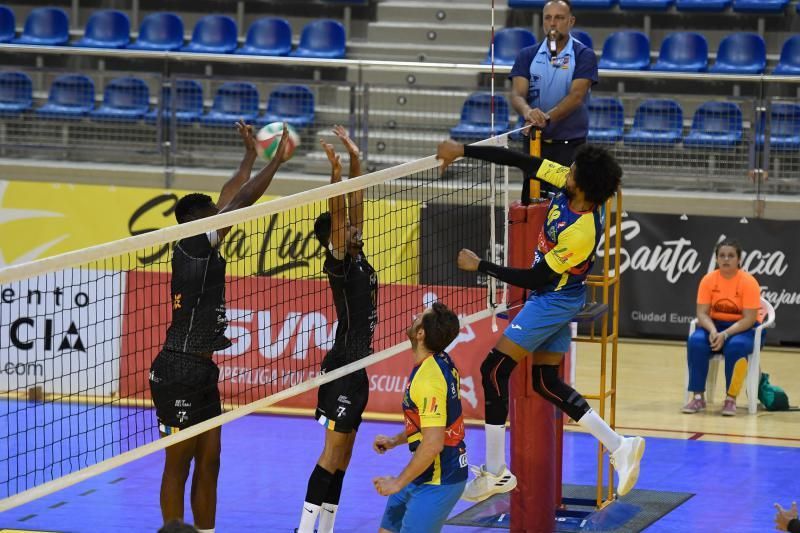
(268, 138)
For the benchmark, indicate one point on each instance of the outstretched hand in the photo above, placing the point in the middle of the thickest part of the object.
(783, 517)
(246, 133)
(333, 158)
(348, 143)
(283, 145)
(468, 260)
(447, 152)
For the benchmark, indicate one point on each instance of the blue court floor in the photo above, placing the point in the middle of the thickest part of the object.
(267, 459)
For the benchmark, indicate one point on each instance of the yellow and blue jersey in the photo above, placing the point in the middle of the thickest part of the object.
(432, 398)
(569, 238)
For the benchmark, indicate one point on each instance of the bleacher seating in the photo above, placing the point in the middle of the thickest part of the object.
(715, 124)
(268, 36)
(16, 93)
(593, 4)
(233, 101)
(160, 31)
(71, 98)
(213, 34)
(626, 50)
(741, 53)
(582, 36)
(322, 39)
(476, 117)
(125, 99)
(188, 103)
(507, 44)
(8, 25)
(45, 26)
(760, 6)
(784, 134)
(106, 29)
(646, 5)
(789, 62)
(606, 120)
(683, 52)
(290, 103)
(656, 122)
(703, 5)
(526, 4)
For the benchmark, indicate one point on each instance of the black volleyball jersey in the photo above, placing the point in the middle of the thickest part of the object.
(198, 297)
(355, 294)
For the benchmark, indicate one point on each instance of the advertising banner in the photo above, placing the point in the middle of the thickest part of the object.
(61, 332)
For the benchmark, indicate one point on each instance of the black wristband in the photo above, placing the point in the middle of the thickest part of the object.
(793, 526)
(483, 266)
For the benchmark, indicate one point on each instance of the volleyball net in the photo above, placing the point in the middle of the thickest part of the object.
(79, 331)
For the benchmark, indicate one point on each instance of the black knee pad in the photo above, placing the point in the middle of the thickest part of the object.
(547, 383)
(495, 373)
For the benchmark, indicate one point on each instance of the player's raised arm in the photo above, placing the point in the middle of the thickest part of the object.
(355, 200)
(336, 204)
(242, 174)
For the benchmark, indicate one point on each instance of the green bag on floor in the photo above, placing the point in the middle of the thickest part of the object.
(771, 396)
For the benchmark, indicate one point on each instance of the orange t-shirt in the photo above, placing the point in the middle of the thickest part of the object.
(729, 297)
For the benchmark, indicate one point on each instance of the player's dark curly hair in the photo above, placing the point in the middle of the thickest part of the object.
(322, 229)
(192, 206)
(597, 173)
(441, 326)
(733, 243)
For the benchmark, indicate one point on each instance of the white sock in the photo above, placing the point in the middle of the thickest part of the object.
(495, 448)
(592, 422)
(205, 530)
(326, 518)
(308, 518)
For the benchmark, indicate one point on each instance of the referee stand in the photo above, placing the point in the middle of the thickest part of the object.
(536, 427)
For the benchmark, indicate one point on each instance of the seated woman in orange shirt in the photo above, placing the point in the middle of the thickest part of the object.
(728, 301)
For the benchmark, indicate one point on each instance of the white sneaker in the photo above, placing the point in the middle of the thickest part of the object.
(626, 462)
(486, 484)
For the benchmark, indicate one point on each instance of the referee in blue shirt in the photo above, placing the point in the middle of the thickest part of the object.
(550, 85)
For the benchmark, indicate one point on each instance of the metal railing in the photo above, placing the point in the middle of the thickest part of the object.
(397, 111)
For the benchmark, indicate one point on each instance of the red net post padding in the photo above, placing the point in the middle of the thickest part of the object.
(536, 430)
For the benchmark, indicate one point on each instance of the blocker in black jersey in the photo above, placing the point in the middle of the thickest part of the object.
(354, 284)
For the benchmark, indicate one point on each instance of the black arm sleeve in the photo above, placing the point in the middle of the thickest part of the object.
(527, 278)
(503, 156)
(793, 526)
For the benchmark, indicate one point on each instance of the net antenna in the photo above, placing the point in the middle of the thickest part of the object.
(26, 476)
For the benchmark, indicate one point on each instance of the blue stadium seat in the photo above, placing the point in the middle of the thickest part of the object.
(784, 134)
(526, 4)
(16, 93)
(324, 39)
(741, 53)
(125, 99)
(606, 120)
(268, 36)
(789, 63)
(626, 50)
(760, 6)
(160, 31)
(45, 26)
(593, 4)
(683, 52)
(188, 103)
(507, 44)
(213, 34)
(475, 120)
(715, 124)
(646, 5)
(293, 104)
(106, 29)
(656, 122)
(8, 25)
(583, 37)
(71, 98)
(233, 101)
(703, 5)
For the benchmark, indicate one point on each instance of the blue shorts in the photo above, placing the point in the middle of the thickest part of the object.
(421, 508)
(543, 323)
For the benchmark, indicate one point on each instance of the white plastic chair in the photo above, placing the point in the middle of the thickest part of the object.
(753, 362)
